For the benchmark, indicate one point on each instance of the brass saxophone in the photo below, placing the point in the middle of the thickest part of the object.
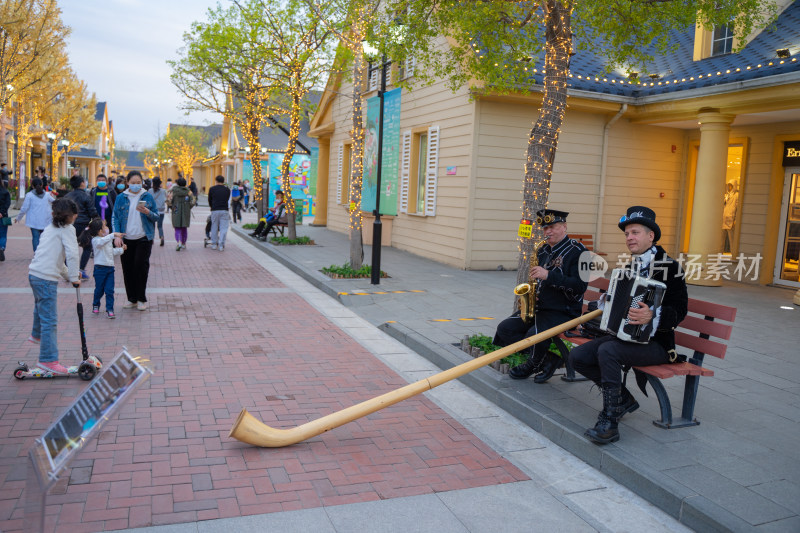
(527, 291)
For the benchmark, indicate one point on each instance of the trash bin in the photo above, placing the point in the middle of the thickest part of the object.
(298, 210)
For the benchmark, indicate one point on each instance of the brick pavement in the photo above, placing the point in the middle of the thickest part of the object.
(167, 459)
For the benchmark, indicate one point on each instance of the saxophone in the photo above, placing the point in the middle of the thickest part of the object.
(527, 291)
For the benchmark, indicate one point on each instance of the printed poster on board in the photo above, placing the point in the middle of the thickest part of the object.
(391, 154)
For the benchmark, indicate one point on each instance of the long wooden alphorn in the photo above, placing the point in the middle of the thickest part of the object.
(250, 430)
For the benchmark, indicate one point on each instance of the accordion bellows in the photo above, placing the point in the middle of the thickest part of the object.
(625, 291)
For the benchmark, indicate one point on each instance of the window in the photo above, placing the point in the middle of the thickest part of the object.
(343, 175)
(405, 69)
(722, 40)
(418, 174)
(422, 152)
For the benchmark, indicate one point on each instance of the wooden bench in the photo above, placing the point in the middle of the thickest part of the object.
(694, 334)
(279, 227)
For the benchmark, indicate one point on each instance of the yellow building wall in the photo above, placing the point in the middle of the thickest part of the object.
(441, 237)
(640, 166)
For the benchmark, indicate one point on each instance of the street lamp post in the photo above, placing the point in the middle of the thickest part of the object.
(52, 137)
(377, 226)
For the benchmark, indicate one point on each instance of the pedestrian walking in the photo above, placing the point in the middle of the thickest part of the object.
(135, 215)
(102, 242)
(37, 209)
(5, 204)
(103, 199)
(236, 202)
(160, 196)
(56, 257)
(86, 212)
(181, 200)
(246, 194)
(218, 197)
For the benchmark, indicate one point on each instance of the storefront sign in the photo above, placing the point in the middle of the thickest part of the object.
(791, 154)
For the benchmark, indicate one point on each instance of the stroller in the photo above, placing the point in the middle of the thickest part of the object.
(208, 232)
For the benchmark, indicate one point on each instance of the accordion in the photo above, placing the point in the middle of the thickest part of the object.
(625, 291)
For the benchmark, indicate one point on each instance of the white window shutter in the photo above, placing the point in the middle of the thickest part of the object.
(339, 161)
(431, 171)
(405, 170)
(373, 80)
(411, 64)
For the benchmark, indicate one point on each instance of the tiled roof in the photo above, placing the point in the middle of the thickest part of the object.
(86, 153)
(100, 111)
(678, 72)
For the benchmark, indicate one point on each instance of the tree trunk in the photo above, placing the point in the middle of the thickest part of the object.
(356, 167)
(294, 133)
(252, 129)
(544, 135)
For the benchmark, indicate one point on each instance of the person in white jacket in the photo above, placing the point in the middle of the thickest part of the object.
(37, 210)
(58, 245)
(104, 252)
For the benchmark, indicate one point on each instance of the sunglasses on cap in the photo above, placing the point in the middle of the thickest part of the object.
(625, 218)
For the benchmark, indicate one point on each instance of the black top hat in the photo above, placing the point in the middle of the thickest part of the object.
(546, 217)
(641, 215)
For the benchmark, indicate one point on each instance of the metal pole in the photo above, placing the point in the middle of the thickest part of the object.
(375, 278)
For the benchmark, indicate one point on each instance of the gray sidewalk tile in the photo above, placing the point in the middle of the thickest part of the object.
(303, 521)
(522, 508)
(398, 515)
(743, 502)
(784, 492)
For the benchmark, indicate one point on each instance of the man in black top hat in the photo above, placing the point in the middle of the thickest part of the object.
(603, 359)
(559, 297)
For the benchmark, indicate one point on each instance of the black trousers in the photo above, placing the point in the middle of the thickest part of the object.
(602, 360)
(136, 267)
(513, 329)
(236, 207)
(87, 250)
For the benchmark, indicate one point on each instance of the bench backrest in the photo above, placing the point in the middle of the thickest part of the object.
(703, 321)
(585, 239)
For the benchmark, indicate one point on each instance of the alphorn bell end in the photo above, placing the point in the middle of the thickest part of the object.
(250, 430)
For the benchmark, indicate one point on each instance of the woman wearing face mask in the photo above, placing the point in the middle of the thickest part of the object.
(37, 210)
(135, 215)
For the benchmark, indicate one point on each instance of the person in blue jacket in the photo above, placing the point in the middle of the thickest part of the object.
(135, 215)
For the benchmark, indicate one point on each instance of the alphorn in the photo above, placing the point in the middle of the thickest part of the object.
(250, 430)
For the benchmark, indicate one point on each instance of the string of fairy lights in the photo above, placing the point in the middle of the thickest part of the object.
(636, 81)
(544, 138)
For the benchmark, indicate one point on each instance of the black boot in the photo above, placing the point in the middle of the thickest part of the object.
(605, 430)
(526, 369)
(552, 362)
(627, 403)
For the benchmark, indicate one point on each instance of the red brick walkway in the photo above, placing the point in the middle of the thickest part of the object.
(167, 457)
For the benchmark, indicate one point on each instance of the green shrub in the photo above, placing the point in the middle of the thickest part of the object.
(286, 240)
(249, 226)
(484, 343)
(345, 271)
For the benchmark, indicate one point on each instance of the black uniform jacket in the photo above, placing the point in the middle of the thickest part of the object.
(563, 289)
(676, 299)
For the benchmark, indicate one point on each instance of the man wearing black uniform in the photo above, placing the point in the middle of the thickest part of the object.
(603, 359)
(559, 297)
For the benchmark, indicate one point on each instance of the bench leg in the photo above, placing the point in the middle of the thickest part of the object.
(689, 397)
(570, 372)
(663, 402)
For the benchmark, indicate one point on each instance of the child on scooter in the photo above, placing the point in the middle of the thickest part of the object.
(103, 245)
(57, 244)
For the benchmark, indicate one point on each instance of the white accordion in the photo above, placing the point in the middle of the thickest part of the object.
(625, 291)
